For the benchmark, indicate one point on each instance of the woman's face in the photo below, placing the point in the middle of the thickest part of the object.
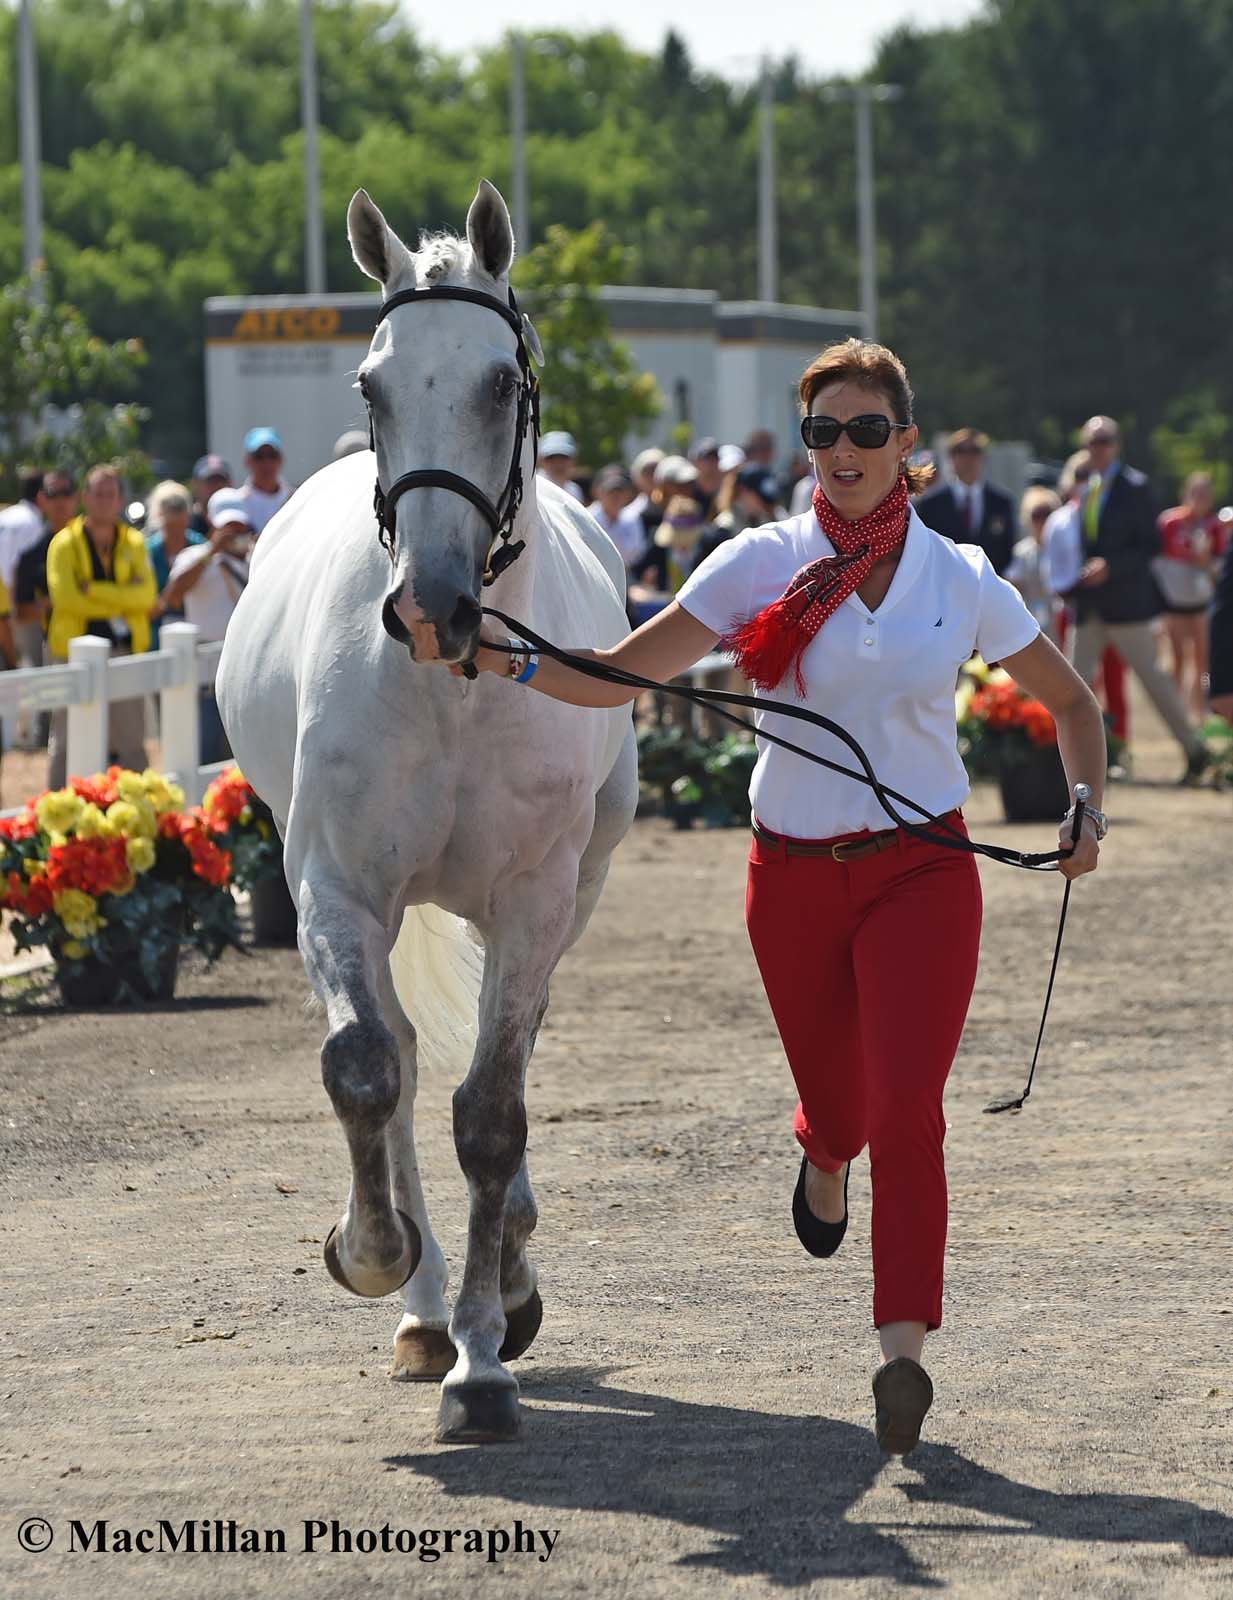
(175, 522)
(855, 481)
(1199, 496)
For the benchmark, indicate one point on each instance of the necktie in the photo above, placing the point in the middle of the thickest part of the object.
(1091, 510)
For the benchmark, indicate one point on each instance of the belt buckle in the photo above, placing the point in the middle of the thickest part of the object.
(837, 849)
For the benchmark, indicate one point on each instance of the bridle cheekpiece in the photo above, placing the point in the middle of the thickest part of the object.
(501, 516)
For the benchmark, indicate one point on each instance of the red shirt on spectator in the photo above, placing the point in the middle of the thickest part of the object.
(1178, 530)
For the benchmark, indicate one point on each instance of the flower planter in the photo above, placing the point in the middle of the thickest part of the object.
(273, 911)
(89, 984)
(1034, 789)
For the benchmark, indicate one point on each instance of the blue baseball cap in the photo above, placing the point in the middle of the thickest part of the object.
(256, 438)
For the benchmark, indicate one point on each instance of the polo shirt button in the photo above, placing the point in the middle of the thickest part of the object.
(868, 641)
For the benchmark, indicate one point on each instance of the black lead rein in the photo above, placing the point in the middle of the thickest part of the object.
(951, 838)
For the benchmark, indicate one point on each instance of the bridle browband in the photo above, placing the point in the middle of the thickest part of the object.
(499, 517)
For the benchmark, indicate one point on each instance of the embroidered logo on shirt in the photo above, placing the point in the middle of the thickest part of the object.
(938, 623)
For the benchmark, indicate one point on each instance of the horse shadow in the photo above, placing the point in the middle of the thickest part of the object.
(774, 1491)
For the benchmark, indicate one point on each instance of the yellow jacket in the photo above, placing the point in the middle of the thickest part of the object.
(131, 593)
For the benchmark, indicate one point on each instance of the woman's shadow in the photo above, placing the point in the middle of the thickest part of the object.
(774, 1491)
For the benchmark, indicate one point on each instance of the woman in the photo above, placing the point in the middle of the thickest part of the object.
(1191, 544)
(168, 511)
(866, 936)
(1026, 569)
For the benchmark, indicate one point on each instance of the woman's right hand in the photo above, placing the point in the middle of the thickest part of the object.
(486, 660)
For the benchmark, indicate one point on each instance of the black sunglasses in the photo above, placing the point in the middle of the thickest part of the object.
(866, 433)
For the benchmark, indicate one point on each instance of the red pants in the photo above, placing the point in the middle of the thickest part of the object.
(868, 966)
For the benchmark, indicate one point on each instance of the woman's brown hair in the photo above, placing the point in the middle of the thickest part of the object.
(861, 361)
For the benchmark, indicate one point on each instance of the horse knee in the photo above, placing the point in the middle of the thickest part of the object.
(361, 1072)
(490, 1133)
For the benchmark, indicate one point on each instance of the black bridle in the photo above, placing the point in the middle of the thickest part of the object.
(500, 515)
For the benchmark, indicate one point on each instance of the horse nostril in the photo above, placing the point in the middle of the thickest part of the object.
(466, 618)
(391, 621)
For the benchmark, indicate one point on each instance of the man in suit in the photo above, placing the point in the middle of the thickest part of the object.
(1117, 600)
(967, 509)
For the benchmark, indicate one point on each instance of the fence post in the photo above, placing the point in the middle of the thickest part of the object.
(88, 746)
(179, 710)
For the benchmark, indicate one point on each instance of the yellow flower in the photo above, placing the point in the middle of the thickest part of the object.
(134, 819)
(74, 949)
(140, 853)
(93, 824)
(131, 786)
(175, 798)
(163, 796)
(58, 811)
(78, 912)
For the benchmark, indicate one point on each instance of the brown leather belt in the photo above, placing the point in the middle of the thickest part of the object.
(839, 850)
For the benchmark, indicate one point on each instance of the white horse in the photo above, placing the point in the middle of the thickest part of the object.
(410, 799)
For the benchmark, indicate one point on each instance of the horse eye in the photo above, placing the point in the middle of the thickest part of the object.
(505, 385)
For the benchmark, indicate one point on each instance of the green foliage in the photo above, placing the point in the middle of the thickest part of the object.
(49, 357)
(591, 385)
(696, 777)
(1196, 436)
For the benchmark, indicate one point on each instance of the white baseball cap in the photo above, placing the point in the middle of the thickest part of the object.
(226, 506)
(558, 444)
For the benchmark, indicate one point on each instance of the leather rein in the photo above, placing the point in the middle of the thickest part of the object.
(499, 516)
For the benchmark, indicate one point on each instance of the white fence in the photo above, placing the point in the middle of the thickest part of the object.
(90, 679)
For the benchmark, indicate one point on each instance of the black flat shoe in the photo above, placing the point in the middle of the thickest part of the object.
(819, 1238)
(902, 1394)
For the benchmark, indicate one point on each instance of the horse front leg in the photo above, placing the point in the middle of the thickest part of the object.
(375, 1248)
(479, 1399)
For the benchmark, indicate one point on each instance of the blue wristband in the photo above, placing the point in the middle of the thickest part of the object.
(529, 671)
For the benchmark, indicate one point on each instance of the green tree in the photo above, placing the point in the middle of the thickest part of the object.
(1196, 436)
(49, 358)
(591, 386)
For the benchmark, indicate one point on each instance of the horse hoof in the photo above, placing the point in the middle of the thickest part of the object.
(478, 1413)
(521, 1326)
(380, 1281)
(422, 1355)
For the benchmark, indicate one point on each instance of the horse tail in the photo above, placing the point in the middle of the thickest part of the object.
(437, 965)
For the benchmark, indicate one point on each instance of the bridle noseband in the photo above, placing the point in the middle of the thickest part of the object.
(499, 517)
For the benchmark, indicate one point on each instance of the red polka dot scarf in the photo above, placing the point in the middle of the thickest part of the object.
(767, 645)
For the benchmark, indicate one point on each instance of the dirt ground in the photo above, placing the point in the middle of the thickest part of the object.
(697, 1405)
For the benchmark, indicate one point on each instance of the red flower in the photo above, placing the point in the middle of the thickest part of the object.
(13, 892)
(39, 896)
(22, 826)
(94, 865)
(99, 790)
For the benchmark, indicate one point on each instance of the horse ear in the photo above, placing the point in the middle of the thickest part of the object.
(489, 230)
(377, 249)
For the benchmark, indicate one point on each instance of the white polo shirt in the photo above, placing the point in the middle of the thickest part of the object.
(887, 676)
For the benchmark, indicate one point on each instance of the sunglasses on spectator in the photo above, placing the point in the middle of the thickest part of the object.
(1101, 438)
(866, 432)
(58, 494)
(266, 454)
(967, 450)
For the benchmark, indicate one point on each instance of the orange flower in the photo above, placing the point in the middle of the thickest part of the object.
(95, 866)
(22, 826)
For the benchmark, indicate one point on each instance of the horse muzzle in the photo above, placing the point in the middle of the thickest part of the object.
(445, 629)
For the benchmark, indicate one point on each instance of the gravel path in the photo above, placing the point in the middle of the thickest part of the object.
(697, 1405)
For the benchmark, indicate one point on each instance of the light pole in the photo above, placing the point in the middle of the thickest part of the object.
(518, 139)
(768, 242)
(314, 235)
(863, 96)
(31, 176)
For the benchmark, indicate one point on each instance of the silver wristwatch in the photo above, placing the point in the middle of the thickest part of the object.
(1098, 817)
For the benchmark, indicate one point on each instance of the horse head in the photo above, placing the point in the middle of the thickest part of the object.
(450, 397)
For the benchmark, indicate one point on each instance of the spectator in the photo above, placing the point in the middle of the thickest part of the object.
(611, 508)
(1220, 643)
(672, 555)
(264, 491)
(1116, 599)
(643, 473)
(208, 580)
(1192, 540)
(30, 603)
(168, 511)
(8, 649)
(802, 494)
(210, 474)
(967, 509)
(1027, 564)
(757, 497)
(760, 449)
(1063, 557)
(557, 452)
(100, 582)
(21, 525)
(705, 458)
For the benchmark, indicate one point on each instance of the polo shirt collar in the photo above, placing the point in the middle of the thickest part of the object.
(915, 551)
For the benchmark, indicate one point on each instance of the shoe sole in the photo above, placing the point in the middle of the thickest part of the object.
(903, 1394)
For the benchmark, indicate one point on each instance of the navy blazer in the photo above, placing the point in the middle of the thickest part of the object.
(938, 509)
(1128, 539)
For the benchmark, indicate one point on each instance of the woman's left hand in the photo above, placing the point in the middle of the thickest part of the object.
(1086, 855)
